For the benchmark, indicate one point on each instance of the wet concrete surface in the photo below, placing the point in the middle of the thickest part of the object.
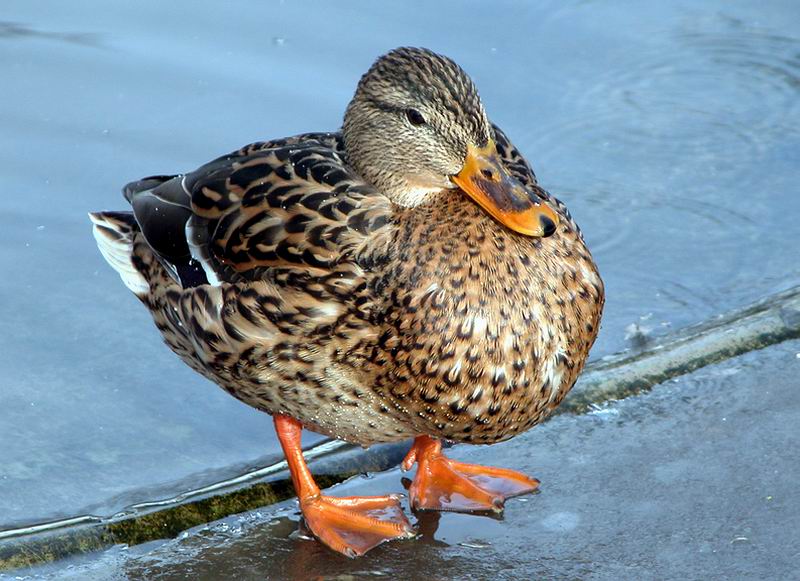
(695, 480)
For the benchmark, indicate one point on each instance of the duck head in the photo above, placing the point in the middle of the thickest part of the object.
(416, 126)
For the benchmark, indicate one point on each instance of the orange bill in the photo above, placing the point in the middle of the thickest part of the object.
(486, 180)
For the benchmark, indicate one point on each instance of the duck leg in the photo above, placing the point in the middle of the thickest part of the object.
(350, 525)
(444, 484)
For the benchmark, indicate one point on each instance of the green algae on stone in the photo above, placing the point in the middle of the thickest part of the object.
(166, 523)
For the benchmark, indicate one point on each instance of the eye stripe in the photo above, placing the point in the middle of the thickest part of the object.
(383, 106)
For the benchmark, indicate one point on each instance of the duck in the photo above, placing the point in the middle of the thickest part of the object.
(404, 278)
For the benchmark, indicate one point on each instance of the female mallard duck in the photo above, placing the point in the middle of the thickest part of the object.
(405, 278)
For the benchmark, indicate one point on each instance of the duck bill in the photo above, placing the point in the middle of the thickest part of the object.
(486, 180)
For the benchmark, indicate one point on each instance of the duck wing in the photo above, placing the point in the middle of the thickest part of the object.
(513, 159)
(292, 204)
(519, 167)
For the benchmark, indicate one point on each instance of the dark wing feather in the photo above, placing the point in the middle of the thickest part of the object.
(516, 164)
(521, 169)
(286, 204)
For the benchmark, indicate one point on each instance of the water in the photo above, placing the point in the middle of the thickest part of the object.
(672, 132)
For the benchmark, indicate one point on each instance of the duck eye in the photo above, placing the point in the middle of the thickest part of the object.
(415, 117)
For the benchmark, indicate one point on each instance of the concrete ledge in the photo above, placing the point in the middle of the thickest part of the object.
(767, 322)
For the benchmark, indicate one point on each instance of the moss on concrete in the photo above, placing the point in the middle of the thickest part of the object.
(169, 522)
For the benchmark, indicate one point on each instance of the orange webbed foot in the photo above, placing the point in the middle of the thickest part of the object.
(354, 525)
(350, 525)
(445, 484)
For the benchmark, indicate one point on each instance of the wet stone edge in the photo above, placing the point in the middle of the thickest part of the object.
(767, 322)
(35, 549)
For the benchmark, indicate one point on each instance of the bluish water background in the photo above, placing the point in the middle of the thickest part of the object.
(672, 130)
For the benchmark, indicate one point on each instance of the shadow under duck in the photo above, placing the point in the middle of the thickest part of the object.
(404, 278)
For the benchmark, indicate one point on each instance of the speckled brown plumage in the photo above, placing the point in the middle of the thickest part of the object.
(302, 289)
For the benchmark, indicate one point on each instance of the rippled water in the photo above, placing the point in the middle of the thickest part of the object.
(672, 131)
(692, 154)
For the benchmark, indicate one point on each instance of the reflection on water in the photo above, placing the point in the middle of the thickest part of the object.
(255, 547)
(671, 130)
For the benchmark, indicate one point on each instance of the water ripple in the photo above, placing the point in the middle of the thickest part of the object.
(675, 138)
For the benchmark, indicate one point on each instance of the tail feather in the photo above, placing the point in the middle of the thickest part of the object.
(114, 232)
(143, 184)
